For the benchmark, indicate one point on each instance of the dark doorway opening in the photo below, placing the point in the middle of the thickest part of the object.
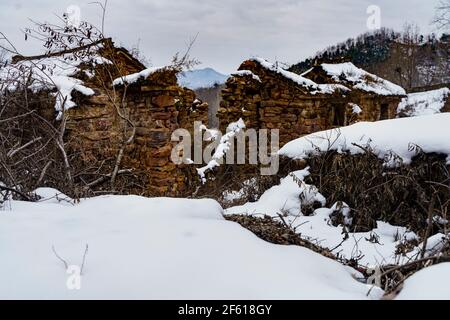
(339, 115)
(384, 111)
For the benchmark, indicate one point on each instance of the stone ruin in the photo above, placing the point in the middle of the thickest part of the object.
(157, 106)
(108, 86)
(266, 96)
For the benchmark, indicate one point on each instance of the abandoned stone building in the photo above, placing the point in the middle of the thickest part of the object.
(114, 107)
(377, 98)
(265, 95)
(119, 115)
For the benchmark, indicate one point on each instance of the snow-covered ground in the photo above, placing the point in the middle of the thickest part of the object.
(392, 140)
(378, 247)
(387, 138)
(430, 283)
(288, 197)
(159, 248)
(165, 248)
(424, 103)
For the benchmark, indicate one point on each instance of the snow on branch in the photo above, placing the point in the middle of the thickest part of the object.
(224, 145)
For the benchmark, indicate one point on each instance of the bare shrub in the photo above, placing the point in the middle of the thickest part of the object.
(400, 196)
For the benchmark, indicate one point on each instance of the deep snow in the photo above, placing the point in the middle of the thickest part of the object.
(387, 138)
(432, 283)
(292, 193)
(424, 103)
(159, 248)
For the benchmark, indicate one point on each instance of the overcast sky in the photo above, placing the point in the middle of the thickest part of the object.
(229, 30)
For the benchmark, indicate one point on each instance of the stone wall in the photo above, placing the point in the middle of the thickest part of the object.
(157, 105)
(374, 108)
(138, 118)
(191, 110)
(273, 101)
(96, 130)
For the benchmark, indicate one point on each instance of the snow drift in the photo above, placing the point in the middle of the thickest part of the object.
(158, 248)
(424, 103)
(388, 139)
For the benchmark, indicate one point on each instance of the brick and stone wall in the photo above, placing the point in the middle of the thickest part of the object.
(273, 101)
(96, 128)
(157, 106)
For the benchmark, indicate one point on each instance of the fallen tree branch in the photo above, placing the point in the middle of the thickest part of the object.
(17, 117)
(66, 265)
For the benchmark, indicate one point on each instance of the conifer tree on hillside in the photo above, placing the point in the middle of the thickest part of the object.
(407, 58)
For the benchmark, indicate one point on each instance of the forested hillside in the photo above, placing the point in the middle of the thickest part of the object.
(407, 58)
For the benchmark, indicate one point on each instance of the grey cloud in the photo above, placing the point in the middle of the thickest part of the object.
(229, 31)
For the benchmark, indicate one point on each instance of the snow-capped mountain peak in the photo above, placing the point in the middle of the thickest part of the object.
(201, 78)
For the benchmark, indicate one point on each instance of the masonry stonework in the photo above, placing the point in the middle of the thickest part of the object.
(266, 99)
(96, 129)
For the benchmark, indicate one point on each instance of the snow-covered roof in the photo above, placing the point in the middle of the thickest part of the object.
(386, 138)
(132, 78)
(49, 73)
(424, 103)
(330, 88)
(287, 74)
(246, 73)
(300, 80)
(349, 74)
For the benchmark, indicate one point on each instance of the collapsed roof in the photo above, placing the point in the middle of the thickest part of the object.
(247, 68)
(353, 77)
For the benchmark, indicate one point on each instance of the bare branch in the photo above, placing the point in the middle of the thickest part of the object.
(66, 265)
(84, 259)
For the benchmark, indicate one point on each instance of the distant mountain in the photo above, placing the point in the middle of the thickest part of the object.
(410, 60)
(201, 78)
